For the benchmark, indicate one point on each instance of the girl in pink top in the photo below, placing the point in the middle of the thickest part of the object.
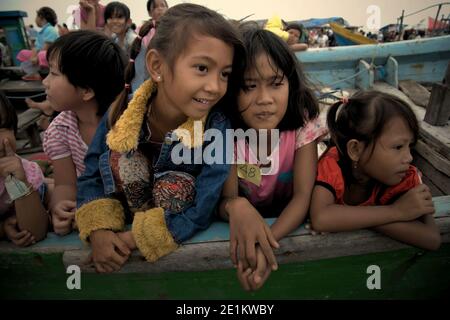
(274, 175)
(86, 75)
(23, 218)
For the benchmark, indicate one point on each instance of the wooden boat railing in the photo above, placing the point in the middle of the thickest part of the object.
(209, 250)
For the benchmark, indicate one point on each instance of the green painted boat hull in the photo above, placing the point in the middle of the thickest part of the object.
(405, 274)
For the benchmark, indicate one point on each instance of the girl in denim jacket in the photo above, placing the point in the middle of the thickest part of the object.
(133, 174)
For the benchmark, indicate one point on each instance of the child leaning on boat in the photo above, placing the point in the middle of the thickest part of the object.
(23, 218)
(274, 97)
(193, 60)
(86, 74)
(367, 180)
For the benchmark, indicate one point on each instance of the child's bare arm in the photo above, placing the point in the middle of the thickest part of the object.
(247, 227)
(305, 167)
(30, 212)
(298, 47)
(229, 192)
(421, 233)
(31, 215)
(65, 176)
(326, 216)
(62, 203)
(90, 23)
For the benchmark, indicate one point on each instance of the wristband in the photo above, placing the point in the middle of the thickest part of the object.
(17, 189)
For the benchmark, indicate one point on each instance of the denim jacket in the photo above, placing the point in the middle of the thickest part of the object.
(97, 182)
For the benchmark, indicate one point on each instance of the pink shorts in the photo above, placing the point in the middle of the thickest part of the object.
(25, 55)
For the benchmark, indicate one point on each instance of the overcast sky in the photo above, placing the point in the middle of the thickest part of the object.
(354, 11)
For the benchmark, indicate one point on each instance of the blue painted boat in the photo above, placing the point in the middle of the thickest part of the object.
(422, 60)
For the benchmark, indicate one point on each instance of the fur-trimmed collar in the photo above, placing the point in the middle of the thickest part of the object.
(124, 135)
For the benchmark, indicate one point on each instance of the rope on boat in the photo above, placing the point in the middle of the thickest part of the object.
(346, 79)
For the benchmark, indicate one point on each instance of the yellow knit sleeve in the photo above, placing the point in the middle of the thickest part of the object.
(152, 237)
(100, 214)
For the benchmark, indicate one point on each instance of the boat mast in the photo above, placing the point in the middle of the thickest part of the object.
(437, 17)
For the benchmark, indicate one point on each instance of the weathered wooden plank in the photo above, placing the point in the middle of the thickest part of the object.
(215, 255)
(439, 179)
(27, 118)
(416, 92)
(435, 191)
(438, 161)
(434, 144)
(438, 109)
(440, 136)
(22, 86)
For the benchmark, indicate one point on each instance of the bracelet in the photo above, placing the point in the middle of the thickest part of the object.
(17, 189)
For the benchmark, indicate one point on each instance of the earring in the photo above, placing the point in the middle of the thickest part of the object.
(355, 164)
(158, 78)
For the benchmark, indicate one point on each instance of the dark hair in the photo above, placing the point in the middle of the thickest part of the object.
(117, 9)
(91, 60)
(302, 105)
(48, 14)
(363, 118)
(8, 116)
(151, 5)
(175, 30)
(295, 26)
(136, 46)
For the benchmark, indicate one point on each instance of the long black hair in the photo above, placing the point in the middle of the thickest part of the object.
(302, 105)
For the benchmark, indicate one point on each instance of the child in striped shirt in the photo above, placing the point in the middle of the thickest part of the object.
(86, 75)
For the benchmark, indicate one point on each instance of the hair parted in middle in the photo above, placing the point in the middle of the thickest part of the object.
(302, 104)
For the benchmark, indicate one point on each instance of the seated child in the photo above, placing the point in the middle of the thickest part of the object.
(118, 21)
(86, 74)
(23, 218)
(33, 60)
(367, 180)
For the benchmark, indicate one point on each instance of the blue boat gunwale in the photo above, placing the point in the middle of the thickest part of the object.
(209, 249)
